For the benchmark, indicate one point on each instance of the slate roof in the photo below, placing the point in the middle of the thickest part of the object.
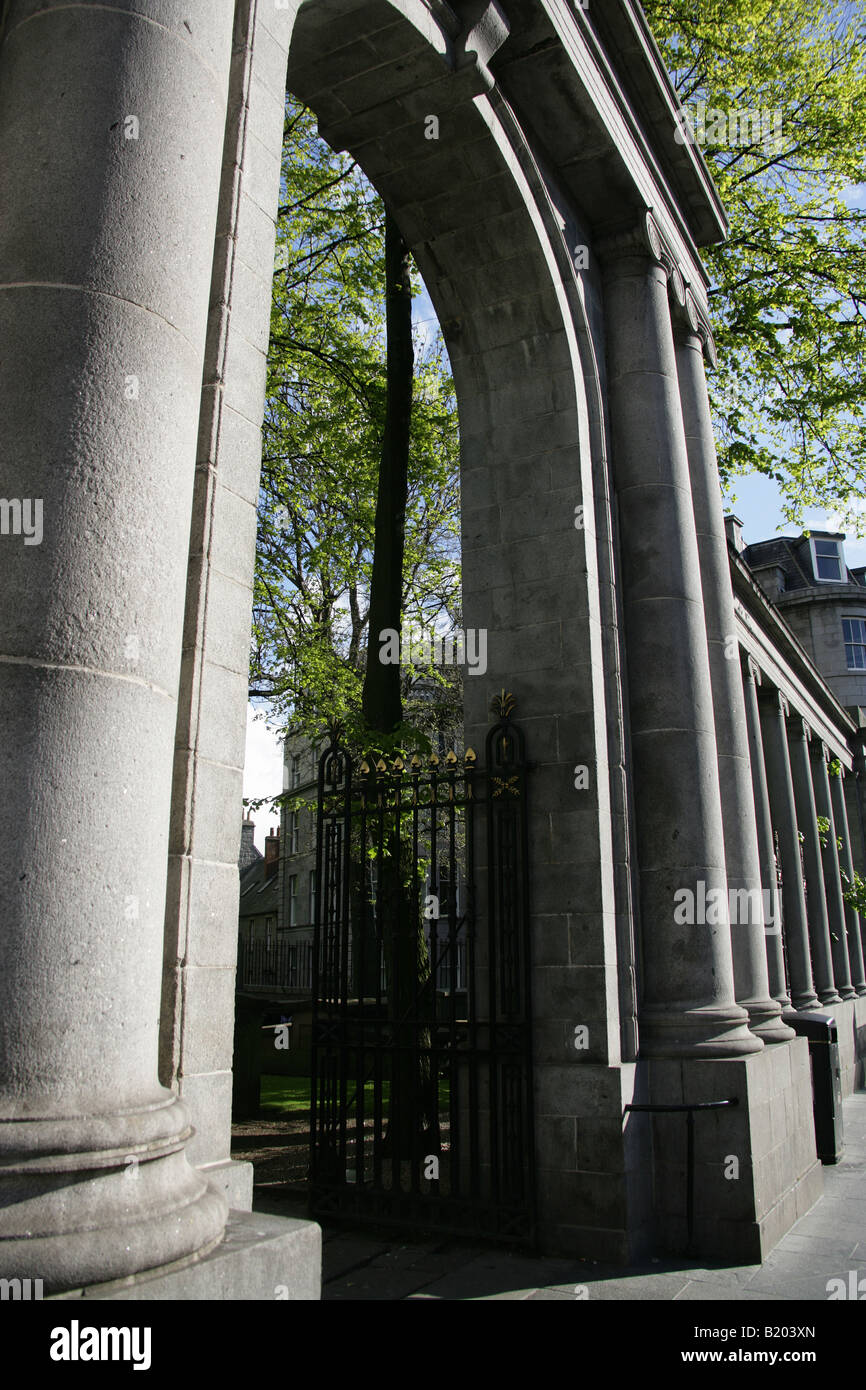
(259, 895)
(793, 555)
(248, 855)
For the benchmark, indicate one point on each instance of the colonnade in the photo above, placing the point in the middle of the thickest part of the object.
(721, 771)
(816, 949)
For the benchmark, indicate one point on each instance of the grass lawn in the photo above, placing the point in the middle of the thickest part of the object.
(286, 1093)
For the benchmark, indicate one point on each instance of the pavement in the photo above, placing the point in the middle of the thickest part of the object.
(828, 1243)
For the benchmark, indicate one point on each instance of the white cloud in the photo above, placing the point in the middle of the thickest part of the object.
(263, 768)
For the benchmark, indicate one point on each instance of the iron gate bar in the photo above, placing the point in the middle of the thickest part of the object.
(426, 1023)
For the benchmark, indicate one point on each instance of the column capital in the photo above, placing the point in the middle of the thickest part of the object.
(751, 669)
(645, 238)
(779, 701)
(690, 319)
(640, 238)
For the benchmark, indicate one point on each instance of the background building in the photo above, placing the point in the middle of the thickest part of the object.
(822, 601)
(821, 605)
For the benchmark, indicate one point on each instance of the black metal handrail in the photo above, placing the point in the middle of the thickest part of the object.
(275, 964)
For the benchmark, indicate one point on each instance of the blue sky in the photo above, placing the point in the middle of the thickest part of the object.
(758, 507)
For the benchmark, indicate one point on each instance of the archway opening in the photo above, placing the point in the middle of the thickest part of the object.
(448, 157)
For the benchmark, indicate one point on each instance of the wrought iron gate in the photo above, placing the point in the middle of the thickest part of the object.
(422, 1078)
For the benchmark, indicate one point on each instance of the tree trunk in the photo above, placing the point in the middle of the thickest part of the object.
(382, 705)
(413, 1109)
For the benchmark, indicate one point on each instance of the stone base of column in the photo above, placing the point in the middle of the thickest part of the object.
(766, 1023)
(828, 998)
(712, 1031)
(593, 1171)
(233, 1179)
(262, 1258)
(89, 1197)
(755, 1166)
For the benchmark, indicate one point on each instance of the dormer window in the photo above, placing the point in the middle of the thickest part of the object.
(827, 563)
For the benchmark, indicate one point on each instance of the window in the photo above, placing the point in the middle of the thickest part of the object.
(270, 923)
(827, 562)
(312, 895)
(293, 900)
(854, 631)
(293, 832)
(445, 893)
(296, 770)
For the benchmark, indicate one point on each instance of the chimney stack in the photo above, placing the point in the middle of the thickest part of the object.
(248, 853)
(734, 532)
(272, 852)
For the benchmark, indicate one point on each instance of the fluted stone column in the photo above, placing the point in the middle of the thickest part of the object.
(846, 864)
(111, 131)
(816, 903)
(688, 1007)
(775, 953)
(781, 788)
(735, 779)
(832, 876)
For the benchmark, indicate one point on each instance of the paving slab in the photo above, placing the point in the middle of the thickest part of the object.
(828, 1242)
(655, 1287)
(720, 1293)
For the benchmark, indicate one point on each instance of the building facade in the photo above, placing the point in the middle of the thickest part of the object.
(822, 601)
(823, 604)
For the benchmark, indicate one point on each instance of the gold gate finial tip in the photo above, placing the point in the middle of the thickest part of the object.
(502, 704)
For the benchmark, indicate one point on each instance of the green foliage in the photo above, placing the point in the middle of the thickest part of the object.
(824, 832)
(324, 418)
(855, 893)
(789, 399)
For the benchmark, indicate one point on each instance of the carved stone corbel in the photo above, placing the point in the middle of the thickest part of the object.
(483, 30)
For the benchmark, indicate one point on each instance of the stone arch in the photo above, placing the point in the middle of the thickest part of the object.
(491, 237)
(479, 219)
(495, 242)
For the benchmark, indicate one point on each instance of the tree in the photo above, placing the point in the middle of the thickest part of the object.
(789, 398)
(323, 436)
